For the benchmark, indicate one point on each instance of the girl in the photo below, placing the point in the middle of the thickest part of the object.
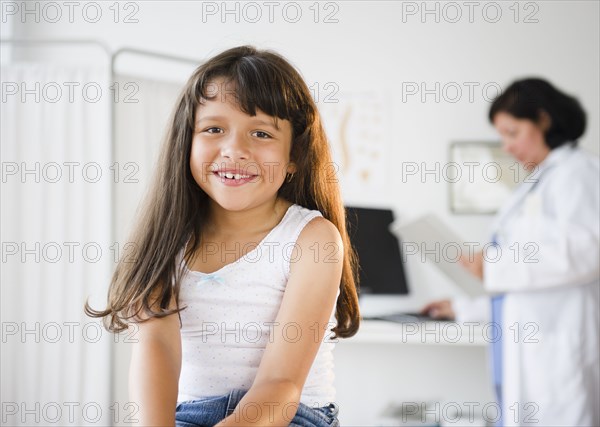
(546, 363)
(243, 261)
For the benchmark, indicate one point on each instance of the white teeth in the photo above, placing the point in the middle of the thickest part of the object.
(230, 175)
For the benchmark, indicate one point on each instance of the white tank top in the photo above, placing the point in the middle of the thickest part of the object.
(230, 317)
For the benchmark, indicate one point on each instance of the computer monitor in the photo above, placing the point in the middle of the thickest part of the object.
(381, 269)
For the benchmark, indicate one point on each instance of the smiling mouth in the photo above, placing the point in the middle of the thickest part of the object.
(234, 178)
(231, 175)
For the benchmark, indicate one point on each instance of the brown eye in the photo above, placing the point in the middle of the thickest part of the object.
(262, 135)
(213, 130)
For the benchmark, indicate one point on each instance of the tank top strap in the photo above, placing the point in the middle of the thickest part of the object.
(287, 231)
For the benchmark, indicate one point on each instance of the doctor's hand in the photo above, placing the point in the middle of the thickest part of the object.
(439, 310)
(473, 264)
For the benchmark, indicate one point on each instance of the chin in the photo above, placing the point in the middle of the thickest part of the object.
(231, 204)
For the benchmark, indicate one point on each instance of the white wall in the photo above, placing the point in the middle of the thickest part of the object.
(381, 47)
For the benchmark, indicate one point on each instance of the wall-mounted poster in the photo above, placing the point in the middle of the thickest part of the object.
(357, 124)
(481, 176)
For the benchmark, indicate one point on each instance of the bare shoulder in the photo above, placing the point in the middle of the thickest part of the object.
(321, 238)
(320, 229)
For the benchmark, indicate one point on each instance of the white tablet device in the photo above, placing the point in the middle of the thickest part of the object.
(438, 245)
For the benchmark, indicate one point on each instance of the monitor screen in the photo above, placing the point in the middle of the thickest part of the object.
(381, 269)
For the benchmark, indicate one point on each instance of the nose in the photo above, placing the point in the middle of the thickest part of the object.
(235, 148)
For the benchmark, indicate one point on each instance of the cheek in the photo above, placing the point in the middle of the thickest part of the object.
(274, 163)
(539, 137)
(194, 156)
(533, 138)
(275, 155)
(201, 151)
(199, 159)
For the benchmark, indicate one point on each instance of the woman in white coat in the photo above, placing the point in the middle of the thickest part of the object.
(543, 274)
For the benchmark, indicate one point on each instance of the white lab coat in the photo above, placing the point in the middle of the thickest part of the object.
(551, 320)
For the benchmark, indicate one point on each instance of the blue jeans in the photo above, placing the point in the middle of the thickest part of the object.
(210, 410)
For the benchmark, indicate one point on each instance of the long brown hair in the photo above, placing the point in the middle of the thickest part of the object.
(147, 276)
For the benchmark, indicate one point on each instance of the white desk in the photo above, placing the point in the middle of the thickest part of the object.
(393, 364)
(429, 333)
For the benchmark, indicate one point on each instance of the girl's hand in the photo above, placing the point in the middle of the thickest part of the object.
(439, 310)
(474, 265)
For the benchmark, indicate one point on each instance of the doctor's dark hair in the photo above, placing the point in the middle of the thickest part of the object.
(148, 276)
(528, 98)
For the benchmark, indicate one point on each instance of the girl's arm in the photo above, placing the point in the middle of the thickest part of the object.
(308, 301)
(154, 370)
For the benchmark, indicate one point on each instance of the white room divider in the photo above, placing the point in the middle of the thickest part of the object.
(56, 248)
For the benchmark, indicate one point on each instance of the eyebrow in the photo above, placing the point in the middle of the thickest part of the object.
(255, 120)
(273, 123)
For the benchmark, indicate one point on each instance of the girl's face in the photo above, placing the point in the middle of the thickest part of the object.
(522, 138)
(239, 160)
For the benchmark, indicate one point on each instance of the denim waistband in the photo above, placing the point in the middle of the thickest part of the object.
(234, 398)
(210, 410)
